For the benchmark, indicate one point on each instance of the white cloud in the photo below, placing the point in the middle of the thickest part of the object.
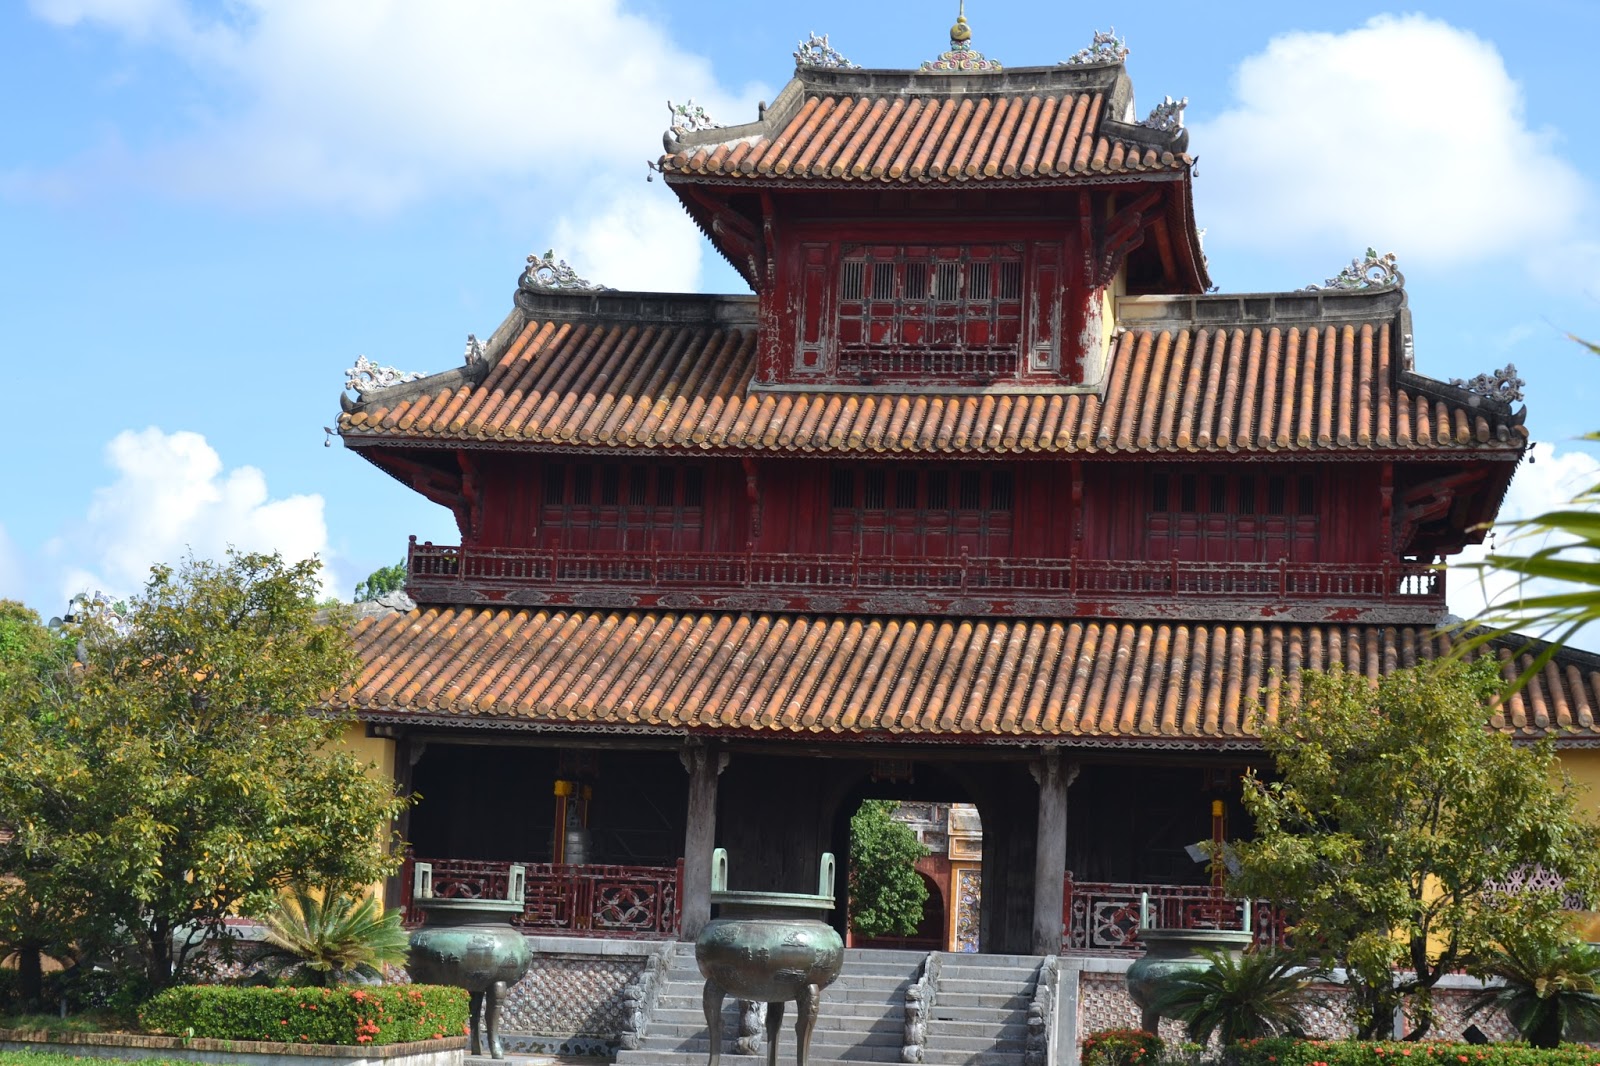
(637, 239)
(1406, 133)
(369, 106)
(1554, 478)
(171, 496)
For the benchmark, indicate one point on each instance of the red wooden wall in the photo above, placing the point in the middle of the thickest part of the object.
(930, 509)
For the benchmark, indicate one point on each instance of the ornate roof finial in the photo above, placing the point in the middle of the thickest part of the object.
(815, 51)
(1107, 47)
(1503, 385)
(1167, 116)
(367, 376)
(962, 57)
(554, 275)
(1374, 272)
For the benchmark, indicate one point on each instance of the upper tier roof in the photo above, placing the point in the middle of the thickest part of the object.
(1013, 681)
(1294, 373)
(1052, 125)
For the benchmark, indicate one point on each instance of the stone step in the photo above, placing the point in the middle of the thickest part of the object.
(983, 999)
(645, 1057)
(941, 1031)
(984, 984)
(872, 1034)
(965, 958)
(987, 973)
(931, 1057)
(944, 1013)
(833, 1049)
(682, 1013)
(975, 1044)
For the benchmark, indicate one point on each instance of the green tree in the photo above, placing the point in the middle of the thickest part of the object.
(42, 907)
(382, 580)
(1398, 815)
(886, 892)
(186, 772)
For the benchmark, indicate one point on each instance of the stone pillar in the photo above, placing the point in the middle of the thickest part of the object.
(1054, 776)
(700, 837)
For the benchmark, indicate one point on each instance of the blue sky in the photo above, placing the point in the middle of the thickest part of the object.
(207, 211)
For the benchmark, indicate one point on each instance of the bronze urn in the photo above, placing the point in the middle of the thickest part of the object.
(471, 944)
(768, 947)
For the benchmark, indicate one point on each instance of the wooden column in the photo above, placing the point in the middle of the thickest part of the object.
(705, 765)
(1054, 775)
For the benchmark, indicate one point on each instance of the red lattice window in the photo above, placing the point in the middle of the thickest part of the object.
(910, 311)
(622, 507)
(1211, 516)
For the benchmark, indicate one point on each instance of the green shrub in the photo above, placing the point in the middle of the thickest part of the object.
(1120, 1047)
(385, 1014)
(1286, 1051)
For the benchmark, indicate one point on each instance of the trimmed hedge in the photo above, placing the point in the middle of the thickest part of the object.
(1286, 1051)
(382, 1014)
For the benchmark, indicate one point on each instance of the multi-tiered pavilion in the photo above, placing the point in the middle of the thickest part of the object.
(981, 495)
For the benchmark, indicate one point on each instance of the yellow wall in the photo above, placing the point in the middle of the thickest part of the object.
(1583, 766)
(371, 750)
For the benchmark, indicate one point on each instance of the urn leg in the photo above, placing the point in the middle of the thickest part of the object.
(492, 998)
(774, 1024)
(711, 1002)
(806, 1006)
(1150, 1020)
(475, 1011)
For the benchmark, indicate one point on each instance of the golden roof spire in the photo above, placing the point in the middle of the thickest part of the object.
(960, 33)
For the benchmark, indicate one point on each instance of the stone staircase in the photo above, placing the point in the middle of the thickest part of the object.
(980, 1010)
(979, 1016)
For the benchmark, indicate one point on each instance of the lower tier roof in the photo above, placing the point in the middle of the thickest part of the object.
(1089, 683)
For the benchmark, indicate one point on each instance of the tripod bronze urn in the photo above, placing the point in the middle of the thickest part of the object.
(768, 947)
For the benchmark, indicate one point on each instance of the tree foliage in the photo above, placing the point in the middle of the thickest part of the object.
(332, 936)
(1547, 989)
(42, 906)
(184, 770)
(382, 580)
(886, 892)
(1398, 816)
(1239, 996)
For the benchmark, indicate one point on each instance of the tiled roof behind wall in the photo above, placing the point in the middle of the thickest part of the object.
(932, 139)
(1154, 684)
(1282, 388)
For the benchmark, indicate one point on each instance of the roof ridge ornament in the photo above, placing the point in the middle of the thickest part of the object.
(1106, 47)
(815, 51)
(962, 58)
(1167, 116)
(1373, 272)
(367, 376)
(475, 354)
(550, 274)
(690, 117)
(1503, 385)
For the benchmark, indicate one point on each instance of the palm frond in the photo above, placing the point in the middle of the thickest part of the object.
(1239, 997)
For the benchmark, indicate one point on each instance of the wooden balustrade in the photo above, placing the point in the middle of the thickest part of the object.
(1102, 917)
(960, 584)
(639, 902)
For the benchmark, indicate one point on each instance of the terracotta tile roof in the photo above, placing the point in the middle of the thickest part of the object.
(586, 381)
(884, 678)
(934, 139)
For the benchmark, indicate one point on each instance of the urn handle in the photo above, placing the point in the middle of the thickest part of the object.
(719, 870)
(825, 875)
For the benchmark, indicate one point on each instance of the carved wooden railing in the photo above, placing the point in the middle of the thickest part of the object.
(1102, 917)
(442, 573)
(641, 902)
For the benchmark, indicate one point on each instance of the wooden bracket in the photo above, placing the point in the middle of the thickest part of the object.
(1124, 232)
